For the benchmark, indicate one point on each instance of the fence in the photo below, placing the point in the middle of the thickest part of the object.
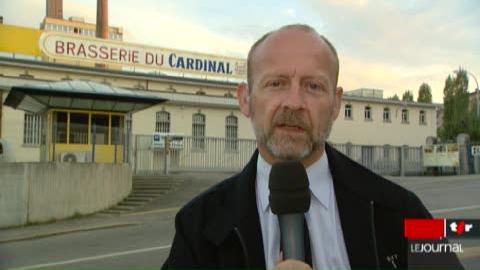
(188, 153)
(386, 159)
(191, 154)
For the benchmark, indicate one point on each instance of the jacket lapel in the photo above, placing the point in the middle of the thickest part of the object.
(240, 212)
(354, 212)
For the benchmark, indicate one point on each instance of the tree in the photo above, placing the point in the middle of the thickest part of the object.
(458, 115)
(394, 97)
(446, 131)
(425, 93)
(407, 96)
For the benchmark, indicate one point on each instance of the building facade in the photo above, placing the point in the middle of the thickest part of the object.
(200, 90)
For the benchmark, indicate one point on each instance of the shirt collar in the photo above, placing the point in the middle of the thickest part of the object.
(318, 173)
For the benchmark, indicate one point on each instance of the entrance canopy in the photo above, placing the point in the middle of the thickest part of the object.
(85, 95)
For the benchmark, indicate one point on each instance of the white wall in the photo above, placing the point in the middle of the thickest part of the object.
(39, 192)
(12, 133)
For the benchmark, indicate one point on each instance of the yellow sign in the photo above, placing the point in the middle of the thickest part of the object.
(79, 48)
(19, 40)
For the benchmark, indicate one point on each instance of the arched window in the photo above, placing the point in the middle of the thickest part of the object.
(422, 118)
(405, 116)
(348, 111)
(162, 122)
(368, 113)
(198, 131)
(386, 115)
(231, 132)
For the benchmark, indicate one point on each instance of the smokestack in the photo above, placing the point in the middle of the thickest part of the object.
(102, 19)
(55, 9)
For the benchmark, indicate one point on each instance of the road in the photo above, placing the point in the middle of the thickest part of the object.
(145, 244)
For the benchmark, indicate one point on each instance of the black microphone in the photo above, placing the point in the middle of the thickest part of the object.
(289, 200)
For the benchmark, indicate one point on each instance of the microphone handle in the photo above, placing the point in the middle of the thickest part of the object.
(292, 236)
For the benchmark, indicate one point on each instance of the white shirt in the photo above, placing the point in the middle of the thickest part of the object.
(326, 236)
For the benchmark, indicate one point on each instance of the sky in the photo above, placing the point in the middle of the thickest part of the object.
(390, 45)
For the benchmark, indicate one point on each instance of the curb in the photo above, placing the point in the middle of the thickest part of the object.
(155, 211)
(67, 231)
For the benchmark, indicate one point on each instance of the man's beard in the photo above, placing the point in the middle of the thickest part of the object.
(291, 148)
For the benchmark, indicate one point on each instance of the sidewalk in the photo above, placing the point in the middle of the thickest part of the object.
(192, 184)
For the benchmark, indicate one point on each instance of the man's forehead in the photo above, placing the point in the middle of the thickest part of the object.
(296, 42)
(291, 38)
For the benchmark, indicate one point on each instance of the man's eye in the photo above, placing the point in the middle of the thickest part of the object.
(314, 86)
(275, 83)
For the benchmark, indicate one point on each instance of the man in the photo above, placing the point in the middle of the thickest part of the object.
(356, 217)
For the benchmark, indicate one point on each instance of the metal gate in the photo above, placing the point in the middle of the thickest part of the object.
(187, 153)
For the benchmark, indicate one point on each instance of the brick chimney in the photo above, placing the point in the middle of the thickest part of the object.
(55, 9)
(102, 19)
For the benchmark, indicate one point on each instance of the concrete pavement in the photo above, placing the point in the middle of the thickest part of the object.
(191, 185)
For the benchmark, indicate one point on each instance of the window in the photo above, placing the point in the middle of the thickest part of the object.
(162, 122)
(60, 127)
(231, 132)
(405, 116)
(386, 115)
(117, 129)
(348, 111)
(368, 113)
(198, 131)
(100, 121)
(423, 118)
(79, 128)
(32, 129)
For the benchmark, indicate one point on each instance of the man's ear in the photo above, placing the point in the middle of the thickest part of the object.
(337, 102)
(243, 97)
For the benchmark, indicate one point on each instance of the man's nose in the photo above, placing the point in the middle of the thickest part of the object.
(294, 98)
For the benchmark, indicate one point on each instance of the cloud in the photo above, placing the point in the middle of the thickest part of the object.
(396, 45)
(165, 29)
(289, 12)
(12, 12)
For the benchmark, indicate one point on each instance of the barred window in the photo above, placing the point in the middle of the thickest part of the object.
(198, 131)
(368, 113)
(348, 111)
(162, 122)
(422, 118)
(32, 129)
(231, 132)
(405, 116)
(386, 115)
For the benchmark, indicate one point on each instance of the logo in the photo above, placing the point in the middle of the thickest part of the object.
(460, 227)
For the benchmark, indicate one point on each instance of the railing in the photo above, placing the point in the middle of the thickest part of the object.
(219, 154)
(191, 154)
(386, 159)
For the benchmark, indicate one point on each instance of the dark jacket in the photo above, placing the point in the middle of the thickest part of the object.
(221, 227)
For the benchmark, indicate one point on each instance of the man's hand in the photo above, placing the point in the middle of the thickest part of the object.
(291, 264)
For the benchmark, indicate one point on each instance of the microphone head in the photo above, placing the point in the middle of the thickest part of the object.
(289, 192)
